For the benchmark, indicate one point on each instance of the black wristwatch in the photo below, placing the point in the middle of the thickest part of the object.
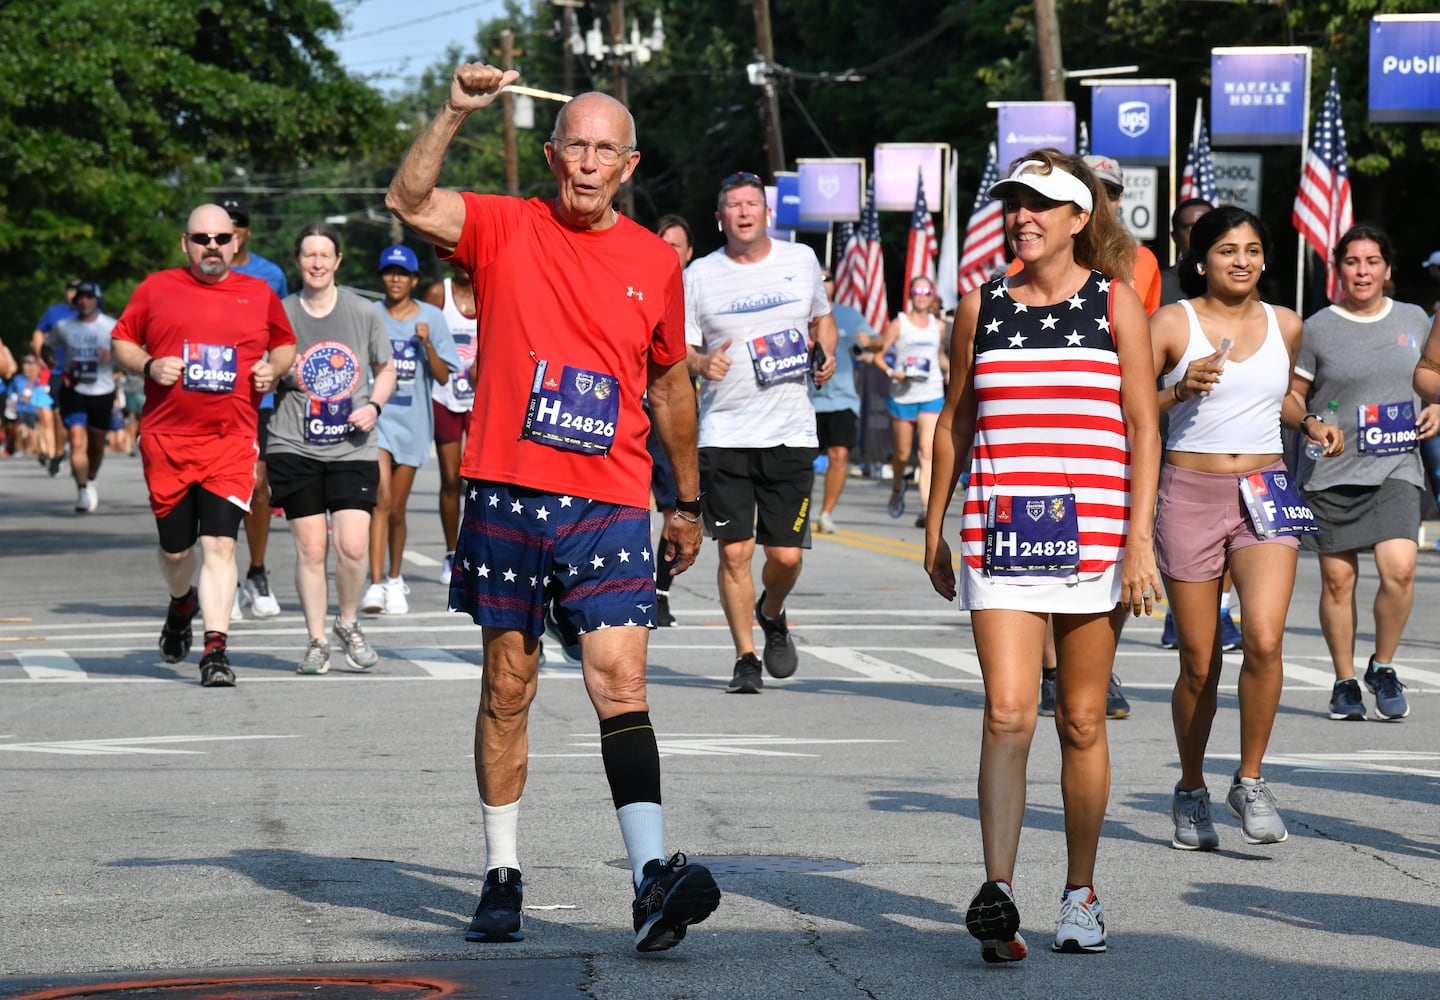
(690, 506)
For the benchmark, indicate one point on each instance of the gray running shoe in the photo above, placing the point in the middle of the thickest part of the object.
(781, 658)
(358, 652)
(1253, 804)
(1047, 691)
(1390, 704)
(316, 660)
(1191, 813)
(747, 679)
(1116, 705)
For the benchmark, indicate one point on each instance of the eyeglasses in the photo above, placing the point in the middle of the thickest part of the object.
(741, 178)
(574, 149)
(205, 239)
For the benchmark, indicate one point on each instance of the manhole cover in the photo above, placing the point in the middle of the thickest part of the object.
(257, 988)
(757, 864)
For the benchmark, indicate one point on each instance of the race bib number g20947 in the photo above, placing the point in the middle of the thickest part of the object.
(1386, 428)
(575, 410)
(1032, 536)
(327, 421)
(209, 368)
(779, 357)
(1274, 504)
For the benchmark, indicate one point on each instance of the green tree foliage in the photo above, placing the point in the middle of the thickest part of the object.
(115, 117)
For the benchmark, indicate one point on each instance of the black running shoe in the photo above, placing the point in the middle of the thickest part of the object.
(497, 918)
(781, 658)
(1047, 691)
(663, 617)
(564, 634)
(672, 896)
(994, 920)
(747, 679)
(215, 670)
(176, 635)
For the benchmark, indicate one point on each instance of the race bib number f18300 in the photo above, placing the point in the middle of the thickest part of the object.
(1274, 504)
(576, 410)
(1032, 536)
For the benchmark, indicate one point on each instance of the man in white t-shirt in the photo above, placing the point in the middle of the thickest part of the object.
(87, 392)
(754, 312)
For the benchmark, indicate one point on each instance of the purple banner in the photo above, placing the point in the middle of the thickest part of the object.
(831, 190)
(1131, 122)
(896, 164)
(1405, 68)
(1257, 96)
(1030, 125)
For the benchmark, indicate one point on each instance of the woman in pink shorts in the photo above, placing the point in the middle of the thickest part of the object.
(1225, 358)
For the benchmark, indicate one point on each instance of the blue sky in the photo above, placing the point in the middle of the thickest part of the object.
(390, 42)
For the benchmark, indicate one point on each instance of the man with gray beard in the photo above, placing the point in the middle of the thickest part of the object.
(209, 342)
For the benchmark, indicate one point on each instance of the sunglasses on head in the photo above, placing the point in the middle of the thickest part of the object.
(740, 177)
(205, 239)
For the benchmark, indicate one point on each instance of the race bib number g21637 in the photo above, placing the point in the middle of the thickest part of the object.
(1274, 504)
(575, 410)
(209, 368)
(1386, 428)
(1032, 536)
(779, 357)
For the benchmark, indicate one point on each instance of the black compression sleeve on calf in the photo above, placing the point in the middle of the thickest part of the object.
(632, 759)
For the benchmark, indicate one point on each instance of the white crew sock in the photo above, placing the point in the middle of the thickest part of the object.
(1225, 600)
(502, 824)
(642, 824)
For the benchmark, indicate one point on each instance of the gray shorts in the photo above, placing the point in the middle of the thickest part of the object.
(1358, 517)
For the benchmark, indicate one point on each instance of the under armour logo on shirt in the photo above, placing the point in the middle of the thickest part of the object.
(631, 293)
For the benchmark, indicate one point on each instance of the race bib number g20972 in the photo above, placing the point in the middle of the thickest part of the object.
(1032, 536)
(209, 368)
(779, 357)
(1274, 504)
(1386, 428)
(327, 421)
(575, 410)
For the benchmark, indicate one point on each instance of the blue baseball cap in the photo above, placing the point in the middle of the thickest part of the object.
(399, 256)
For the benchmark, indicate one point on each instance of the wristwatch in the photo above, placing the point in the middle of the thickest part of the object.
(690, 506)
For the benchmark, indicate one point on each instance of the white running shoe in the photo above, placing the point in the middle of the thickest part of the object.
(373, 603)
(1081, 924)
(395, 591)
(447, 568)
(237, 610)
(827, 523)
(86, 500)
(257, 592)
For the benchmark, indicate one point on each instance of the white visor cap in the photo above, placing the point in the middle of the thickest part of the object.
(1057, 185)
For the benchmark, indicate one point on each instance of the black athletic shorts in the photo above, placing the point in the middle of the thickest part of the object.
(307, 486)
(759, 491)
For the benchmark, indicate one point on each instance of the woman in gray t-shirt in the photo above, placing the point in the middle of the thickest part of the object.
(1355, 363)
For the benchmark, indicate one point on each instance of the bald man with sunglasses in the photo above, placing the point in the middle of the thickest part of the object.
(210, 343)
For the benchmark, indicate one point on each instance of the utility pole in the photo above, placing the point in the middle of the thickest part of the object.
(1047, 35)
(620, 90)
(765, 45)
(507, 103)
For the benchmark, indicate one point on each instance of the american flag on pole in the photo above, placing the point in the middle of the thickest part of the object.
(922, 246)
(866, 267)
(845, 259)
(984, 251)
(1322, 205)
(1198, 180)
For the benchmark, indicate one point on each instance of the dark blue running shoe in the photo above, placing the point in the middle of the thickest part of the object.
(497, 918)
(672, 896)
(1390, 703)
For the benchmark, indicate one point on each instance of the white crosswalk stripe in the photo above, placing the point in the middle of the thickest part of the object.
(51, 667)
(864, 664)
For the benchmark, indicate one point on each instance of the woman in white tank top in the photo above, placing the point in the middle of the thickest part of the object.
(918, 373)
(1224, 359)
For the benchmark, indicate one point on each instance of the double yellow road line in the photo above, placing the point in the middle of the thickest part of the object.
(914, 551)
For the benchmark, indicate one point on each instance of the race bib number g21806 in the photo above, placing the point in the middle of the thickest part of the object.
(1274, 504)
(1032, 536)
(575, 410)
(1386, 428)
(209, 368)
(779, 357)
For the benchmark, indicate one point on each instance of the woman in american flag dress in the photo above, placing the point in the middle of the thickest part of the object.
(1052, 398)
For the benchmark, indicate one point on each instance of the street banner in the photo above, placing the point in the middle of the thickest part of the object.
(895, 166)
(1405, 68)
(1027, 125)
(831, 190)
(1257, 95)
(1131, 121)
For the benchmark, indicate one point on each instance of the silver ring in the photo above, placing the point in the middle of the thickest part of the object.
(1147, 594)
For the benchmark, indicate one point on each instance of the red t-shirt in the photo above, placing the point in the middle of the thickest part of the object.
(605, 302)
(174, 314)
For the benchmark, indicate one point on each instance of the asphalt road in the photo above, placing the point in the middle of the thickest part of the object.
(324, 831)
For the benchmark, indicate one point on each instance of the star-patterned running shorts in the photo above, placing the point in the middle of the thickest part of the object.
(521, 548)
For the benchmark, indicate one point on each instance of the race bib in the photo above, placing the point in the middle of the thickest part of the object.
(327, 421)
(406, 360)
(209, 368)
(1274, 505)
(576, 410)
(85, 372)
(1386, 428)
(1032, 536)
(779, 357)
(459, 383)
(916, 369)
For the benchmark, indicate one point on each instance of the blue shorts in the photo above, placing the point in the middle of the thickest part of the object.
(912, 411)
(520, 549)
